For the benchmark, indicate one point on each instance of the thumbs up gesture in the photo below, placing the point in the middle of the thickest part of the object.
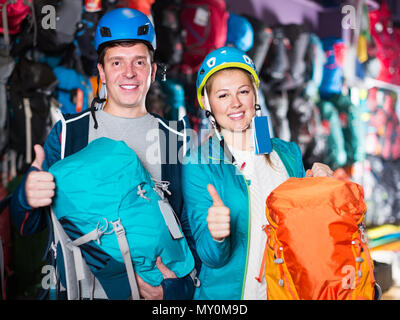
(218, 218)
(39, 186)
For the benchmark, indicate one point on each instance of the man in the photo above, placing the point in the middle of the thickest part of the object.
(125, 42)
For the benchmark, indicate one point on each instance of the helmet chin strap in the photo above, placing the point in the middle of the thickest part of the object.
(256, 105)
(103, 92)
(258, 110)
(210, 116)
(98, 101)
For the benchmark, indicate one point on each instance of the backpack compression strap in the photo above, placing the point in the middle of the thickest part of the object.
(123, 247)
(4, 17)
(28, 129)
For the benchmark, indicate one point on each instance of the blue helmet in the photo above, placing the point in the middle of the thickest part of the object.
(240, 32)
(124, 24)
(222, 58)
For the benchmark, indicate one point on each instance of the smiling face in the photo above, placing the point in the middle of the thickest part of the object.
(232, 99)
(128, 73)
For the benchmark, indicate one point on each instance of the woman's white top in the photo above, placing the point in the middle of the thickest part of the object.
(263, 179)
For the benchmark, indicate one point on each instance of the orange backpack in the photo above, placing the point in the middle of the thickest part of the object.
(317, 244)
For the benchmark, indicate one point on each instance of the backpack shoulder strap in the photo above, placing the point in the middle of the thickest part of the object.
(75, 132)
(60, 237)
(75, 267)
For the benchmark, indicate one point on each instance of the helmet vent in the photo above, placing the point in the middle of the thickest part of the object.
(142, 30)
(105, 32)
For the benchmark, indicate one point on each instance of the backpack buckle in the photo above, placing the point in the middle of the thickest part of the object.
(363, 233)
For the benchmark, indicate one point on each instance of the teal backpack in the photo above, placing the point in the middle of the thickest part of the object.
(108, 196)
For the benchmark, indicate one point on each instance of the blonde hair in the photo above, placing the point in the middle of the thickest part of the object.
(210, 80)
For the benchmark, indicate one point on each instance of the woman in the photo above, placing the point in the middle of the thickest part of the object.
(225, 184)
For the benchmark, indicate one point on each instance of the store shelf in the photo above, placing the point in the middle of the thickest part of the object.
(392, 294)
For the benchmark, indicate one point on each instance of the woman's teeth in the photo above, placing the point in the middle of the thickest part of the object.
(236, 115)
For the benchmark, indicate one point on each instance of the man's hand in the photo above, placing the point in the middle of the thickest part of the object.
(149, 292)
(319, 170)
(218, 218)
(39, 186)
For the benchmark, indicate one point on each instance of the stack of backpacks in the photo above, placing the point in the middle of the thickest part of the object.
(379, 112)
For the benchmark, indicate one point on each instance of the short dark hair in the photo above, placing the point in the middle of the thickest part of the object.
(102, 53)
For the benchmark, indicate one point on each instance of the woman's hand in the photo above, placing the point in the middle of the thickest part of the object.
(319, 170)
(218, 218)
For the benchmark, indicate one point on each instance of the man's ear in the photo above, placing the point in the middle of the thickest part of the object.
(153, 71)
(101, 73)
